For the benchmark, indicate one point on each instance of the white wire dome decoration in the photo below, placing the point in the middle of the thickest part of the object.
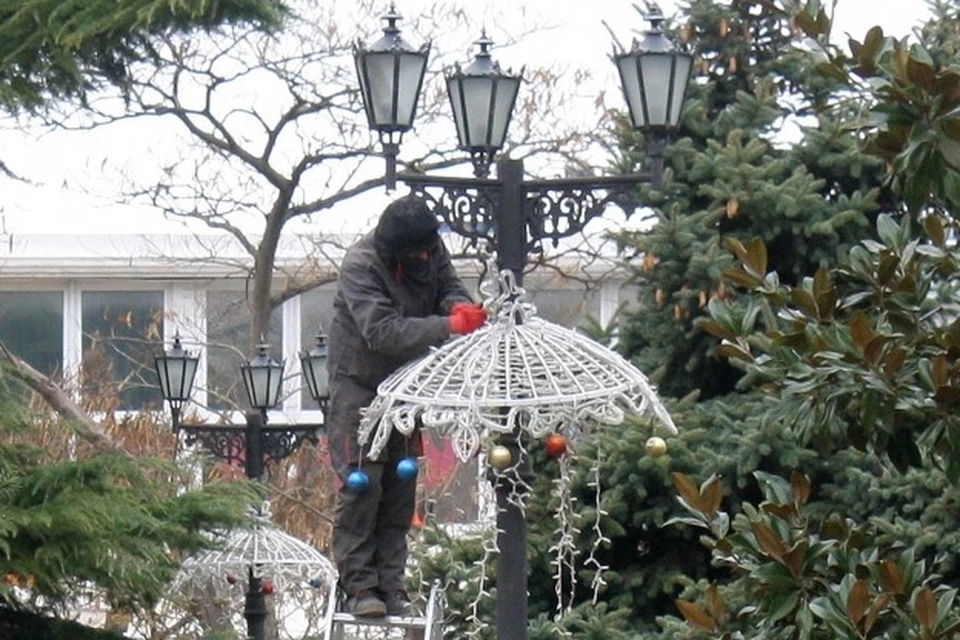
(517, 372)
(288, 562)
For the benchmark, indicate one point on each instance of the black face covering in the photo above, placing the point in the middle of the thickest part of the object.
(417, 272)
(416, 269)
(406, 228)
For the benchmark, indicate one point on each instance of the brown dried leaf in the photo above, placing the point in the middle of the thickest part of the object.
(688, 491)
(768, 540)
(857, 601)
(696, 616)
(890, 577)
(925, 607)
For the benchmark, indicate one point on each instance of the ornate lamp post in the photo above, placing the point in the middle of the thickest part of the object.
(521, 213)
(254, 443)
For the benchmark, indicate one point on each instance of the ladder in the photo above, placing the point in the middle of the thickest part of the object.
(344, 626)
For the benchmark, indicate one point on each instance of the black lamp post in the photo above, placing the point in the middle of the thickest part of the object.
(254, 443)
(520, 214)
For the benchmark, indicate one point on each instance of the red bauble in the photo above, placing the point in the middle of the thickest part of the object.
(556, 445)
(266, 587)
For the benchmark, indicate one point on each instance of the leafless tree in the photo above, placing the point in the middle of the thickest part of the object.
(272, 130)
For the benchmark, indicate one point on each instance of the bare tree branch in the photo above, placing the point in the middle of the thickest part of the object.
(84, 426)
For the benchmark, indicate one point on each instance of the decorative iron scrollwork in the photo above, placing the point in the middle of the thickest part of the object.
(466, 210)
(228, 443)
(222, 442)
(280, 442)
(562, 208)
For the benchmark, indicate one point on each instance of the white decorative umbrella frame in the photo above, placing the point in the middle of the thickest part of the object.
(518, 373)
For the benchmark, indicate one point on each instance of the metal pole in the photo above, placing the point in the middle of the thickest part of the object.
(255, 608)
(253, 445)
(656, 144)
(511, 243)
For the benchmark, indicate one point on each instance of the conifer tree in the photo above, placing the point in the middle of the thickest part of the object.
(54, 49)
(734, 172)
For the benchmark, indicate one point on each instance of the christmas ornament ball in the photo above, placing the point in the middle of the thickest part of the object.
(656, 447)
(407, 469)
(358, 481)
(500, 457)
(555, 445)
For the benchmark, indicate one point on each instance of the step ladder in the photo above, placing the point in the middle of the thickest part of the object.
(344, 626)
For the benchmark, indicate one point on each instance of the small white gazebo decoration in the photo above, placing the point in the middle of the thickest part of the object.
(519, 372)
(301, 579)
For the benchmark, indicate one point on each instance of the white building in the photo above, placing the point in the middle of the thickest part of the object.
(63, 296)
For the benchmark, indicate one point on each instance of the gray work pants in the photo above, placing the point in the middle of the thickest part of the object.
(370, 530)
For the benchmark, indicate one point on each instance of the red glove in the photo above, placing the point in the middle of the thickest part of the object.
(466, 318)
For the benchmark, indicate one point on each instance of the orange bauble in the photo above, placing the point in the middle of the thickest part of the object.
(556, 445)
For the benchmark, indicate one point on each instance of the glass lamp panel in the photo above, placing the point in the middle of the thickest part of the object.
(262, 383)
(630, 82)
(458, 108)
(477, 95)
(176, 375)
(678, 92)
(315, 373)
(378, 84)
(412, 68)
(655, 71)
(507, 89)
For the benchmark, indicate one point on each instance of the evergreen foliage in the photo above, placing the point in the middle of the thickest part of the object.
(110, 525)
(728, 176)
(809, 205)
(54, 49)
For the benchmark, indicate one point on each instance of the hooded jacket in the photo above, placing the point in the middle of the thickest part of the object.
(381, 321)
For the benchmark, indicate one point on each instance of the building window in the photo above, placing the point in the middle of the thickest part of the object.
(121, 331)
(228, 344)
(31, 327)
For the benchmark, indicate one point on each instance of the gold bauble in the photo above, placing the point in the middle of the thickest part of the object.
(500, 457)
(656, 447)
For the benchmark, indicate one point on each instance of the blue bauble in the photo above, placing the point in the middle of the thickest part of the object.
(407, 469)
(358, 481)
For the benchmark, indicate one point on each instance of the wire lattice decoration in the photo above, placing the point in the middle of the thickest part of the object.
(302, 578)
(518, 373)
(271, 552)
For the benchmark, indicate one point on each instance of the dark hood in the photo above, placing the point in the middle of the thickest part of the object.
(407, 226)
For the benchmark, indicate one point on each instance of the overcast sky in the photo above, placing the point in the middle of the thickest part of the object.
(579, 38)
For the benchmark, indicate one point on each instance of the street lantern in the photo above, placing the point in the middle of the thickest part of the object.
(391, 73)
(176, 370)
(482, 98)
(313, 365)
(262, 379)
(654, 76)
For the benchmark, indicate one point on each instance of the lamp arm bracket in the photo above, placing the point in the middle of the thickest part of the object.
(228, 443)
(562, 207)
